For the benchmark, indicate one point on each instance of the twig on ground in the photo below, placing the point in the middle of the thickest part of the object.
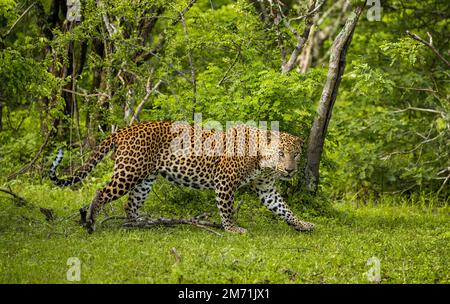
(20, 201)
(148, 222)
(111, 218)
(48, 213)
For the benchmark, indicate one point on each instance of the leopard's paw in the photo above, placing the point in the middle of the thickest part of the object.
(235, 229)
(304, 226)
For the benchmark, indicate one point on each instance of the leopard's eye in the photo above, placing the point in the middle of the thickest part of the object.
(281, 154)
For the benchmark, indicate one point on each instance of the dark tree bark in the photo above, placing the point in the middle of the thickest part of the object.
(98, 84)
(326, 103)
(1, 113)
(69, 97)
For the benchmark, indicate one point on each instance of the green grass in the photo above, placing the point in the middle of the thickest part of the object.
(412, 243)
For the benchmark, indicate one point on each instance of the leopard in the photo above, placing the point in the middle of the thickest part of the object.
(196, 157)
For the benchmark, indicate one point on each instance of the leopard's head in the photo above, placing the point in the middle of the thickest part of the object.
(282, 155)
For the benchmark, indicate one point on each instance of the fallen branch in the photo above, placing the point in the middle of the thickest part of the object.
(149, 223)
(20, 201)
(48, 213)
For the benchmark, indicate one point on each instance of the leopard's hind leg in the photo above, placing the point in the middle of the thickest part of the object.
(137, 196)
(224, 200)
(124, 179)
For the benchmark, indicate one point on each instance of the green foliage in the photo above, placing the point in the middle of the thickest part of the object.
(384, 188)
(391, 118)
(374, 143)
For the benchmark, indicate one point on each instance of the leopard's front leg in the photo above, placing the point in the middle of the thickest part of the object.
(270, 198)
(224, 199)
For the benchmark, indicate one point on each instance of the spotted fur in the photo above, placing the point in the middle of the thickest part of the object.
(144, 151)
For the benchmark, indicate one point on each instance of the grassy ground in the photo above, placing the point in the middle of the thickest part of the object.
(412, 243)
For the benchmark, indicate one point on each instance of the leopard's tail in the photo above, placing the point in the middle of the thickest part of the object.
(107, 145)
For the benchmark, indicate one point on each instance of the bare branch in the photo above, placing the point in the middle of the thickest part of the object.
(150, 91)
(309, 14)
(86, 95)
(301, 39)
(421, 110)
(149, 223)
(429, 45)
(19, 200)
(230, 68)
(109, 27)
(18, 19)
(191, 64)
(443, 184)
(184, 11)
(417, 89)
(420, 145)
(31, 163)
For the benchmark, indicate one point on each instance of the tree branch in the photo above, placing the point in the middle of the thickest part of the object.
(150, 91)
(301, 39)
(429, 45)
(18, 19)
(230, 68)
(309, 14)
(191, 63)
(31, 163)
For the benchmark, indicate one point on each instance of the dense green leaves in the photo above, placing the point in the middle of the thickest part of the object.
(390, 126)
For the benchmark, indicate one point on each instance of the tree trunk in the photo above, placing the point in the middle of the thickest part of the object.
(1, 113)
(319, 128)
